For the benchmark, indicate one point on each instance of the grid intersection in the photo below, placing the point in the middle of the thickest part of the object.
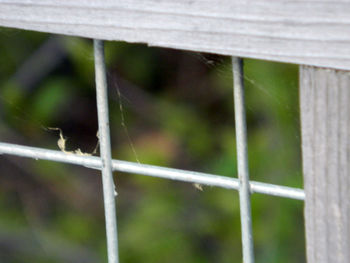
(107, 165)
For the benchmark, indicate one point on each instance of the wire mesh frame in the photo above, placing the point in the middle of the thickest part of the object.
(107, 165)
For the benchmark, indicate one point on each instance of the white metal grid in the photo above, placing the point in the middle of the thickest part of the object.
(106, 164)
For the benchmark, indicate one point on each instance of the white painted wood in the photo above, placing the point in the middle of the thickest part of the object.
(308, 32)
(325, 119)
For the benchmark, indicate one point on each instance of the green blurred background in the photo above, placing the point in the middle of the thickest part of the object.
(167, 107)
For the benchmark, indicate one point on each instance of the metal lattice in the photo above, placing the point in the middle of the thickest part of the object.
(107, 165)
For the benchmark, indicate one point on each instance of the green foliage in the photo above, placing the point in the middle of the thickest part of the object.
(50, 98)
(183, 118)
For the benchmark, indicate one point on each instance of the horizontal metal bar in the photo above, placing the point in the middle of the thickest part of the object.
(151, 170)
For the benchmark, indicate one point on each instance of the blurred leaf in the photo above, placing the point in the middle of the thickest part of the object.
(51, 99)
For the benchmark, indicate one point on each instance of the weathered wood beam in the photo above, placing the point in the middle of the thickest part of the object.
(325, 119)
(307, 32)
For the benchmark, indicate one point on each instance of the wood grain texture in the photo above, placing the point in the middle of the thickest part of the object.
(310, 32)
(325, 119)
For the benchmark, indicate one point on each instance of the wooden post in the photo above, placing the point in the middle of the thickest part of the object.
(307, 32)
(325, 122)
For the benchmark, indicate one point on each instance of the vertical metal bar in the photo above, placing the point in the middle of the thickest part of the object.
(242, 159)
(106, 158)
